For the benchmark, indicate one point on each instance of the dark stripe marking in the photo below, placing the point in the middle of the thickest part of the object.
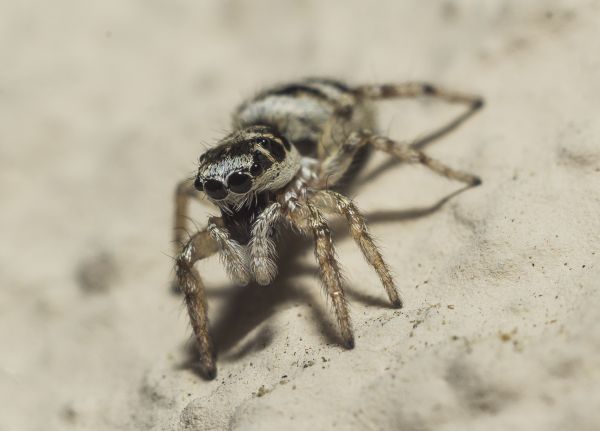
(297, 89)
(273, 147)
(279, 137)
(332, 83)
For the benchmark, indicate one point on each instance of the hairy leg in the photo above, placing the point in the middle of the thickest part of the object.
(262, 245)
(198, 247)
(420, 89)
(336, 162)
(310, 219)
(333, 167)
(233, 254)
(342, 205)
(407, 153)
(412, 90)
(183, 192)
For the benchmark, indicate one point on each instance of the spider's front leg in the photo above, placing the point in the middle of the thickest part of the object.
(200, 246)
(340, 204)
(184, 191)
(309, 218)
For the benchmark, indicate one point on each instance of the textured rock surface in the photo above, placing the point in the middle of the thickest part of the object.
(105, 107)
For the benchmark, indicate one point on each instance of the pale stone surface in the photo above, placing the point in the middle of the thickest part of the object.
(105, 106)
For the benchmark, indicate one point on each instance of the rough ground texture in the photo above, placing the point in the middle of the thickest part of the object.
(105, 106)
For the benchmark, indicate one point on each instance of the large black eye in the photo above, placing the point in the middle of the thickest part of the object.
(239, 182)
(215, 189)
(198, 184)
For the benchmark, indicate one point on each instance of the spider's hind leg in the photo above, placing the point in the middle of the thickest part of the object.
(415, 89)
(338, 161)
(418, 89)
(406, 153)
(331, 168)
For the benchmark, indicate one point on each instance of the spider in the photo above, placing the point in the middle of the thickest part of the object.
(291, 148)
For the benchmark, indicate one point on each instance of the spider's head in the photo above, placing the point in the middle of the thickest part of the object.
(244, 163)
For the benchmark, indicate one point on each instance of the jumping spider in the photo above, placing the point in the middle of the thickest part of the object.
(291, 147)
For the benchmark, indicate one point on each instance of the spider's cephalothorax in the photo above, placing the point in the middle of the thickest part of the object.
(291, 146)
(245, 164)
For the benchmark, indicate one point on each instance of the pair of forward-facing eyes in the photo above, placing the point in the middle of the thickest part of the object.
(236, 182)
(240, 182)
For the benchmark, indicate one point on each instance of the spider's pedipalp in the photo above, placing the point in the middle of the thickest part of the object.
(262, 245)
(232, 253)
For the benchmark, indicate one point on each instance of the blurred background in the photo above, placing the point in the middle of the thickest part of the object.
(104, 106)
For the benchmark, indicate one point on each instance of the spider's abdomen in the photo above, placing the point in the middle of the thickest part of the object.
(300, 111)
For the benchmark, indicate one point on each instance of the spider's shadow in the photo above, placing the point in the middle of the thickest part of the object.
(246, 308)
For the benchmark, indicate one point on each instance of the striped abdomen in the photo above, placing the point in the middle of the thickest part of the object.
(300, 111)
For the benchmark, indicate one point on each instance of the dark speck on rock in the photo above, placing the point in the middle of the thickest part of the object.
(96, 273)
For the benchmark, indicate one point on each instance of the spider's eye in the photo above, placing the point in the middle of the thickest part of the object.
(273, 148)
(239, 182)
(256, 169)
(261, 164)
(198, 184)
(215, 189)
